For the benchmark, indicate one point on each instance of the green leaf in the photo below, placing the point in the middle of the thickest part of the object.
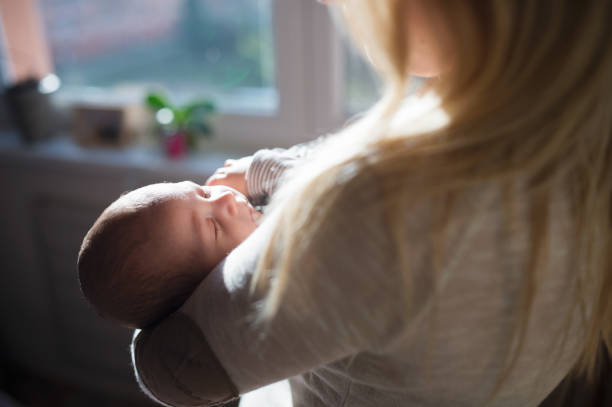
(157, 101)
(180, 118)
(200, 128)
(199, 108)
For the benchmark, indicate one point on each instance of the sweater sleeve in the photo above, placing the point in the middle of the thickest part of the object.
(344, 297)
(269, 166)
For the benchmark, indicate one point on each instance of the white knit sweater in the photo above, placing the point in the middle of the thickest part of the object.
(349, 333)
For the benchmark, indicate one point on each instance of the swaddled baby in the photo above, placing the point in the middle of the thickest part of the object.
(150, 248)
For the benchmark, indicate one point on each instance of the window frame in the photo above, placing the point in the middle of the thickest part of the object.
(309, 77)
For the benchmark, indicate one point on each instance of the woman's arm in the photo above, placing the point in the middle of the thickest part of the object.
(170, 360)
(344, 298)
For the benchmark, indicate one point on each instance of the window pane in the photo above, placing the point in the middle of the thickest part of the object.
(361, 83)
(191, 48)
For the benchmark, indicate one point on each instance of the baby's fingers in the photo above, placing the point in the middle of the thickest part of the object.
(232, 180)
(217, 178)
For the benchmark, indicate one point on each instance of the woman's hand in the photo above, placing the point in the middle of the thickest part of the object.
(233, 174)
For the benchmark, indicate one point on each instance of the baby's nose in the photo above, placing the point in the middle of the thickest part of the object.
(228, 202)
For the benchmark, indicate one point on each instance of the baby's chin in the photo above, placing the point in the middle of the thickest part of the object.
(257, 217)
(254, 215)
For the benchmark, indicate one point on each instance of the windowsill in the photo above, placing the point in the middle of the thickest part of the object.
(62, 150)
(257, 102)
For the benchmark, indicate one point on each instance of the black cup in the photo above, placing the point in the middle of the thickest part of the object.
(31, 110)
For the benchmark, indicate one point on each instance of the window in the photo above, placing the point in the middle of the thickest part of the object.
(191, 48)
(277, 68)
(361, 86)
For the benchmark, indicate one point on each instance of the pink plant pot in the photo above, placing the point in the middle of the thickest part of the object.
(176, 145)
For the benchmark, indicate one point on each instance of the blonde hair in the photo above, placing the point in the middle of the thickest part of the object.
(529, 95)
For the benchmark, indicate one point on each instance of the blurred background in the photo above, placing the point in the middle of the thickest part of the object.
(101, 97)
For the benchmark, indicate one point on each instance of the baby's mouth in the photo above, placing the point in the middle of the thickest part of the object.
(255, 215)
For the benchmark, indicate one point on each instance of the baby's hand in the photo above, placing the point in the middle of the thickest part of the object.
(233, 174)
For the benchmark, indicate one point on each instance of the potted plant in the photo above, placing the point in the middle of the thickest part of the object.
(181, 126)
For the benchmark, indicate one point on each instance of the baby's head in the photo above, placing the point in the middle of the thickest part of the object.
(150, 249)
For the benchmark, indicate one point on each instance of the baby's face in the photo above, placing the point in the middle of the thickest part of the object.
(215, 219)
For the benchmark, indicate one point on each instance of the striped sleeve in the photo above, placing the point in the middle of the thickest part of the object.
(269, 167)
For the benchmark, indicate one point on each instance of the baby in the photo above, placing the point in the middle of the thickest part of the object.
(150, 248)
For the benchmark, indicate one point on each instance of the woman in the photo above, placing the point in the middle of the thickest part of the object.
(449, 250)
